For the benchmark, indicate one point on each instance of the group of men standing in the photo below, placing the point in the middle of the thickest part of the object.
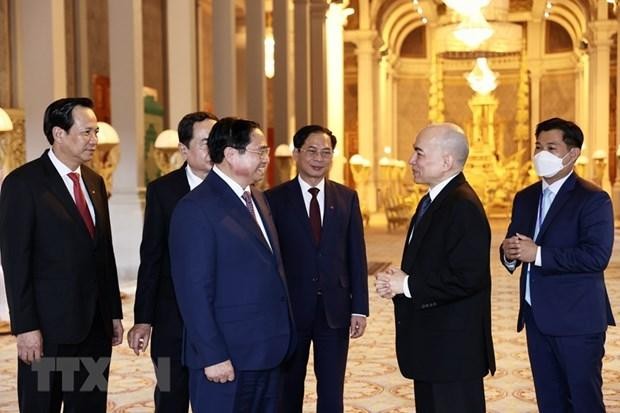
(234, 284)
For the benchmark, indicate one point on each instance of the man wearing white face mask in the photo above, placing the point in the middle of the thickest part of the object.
(562, 231)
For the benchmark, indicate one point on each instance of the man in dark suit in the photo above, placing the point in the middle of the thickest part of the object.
(442, 291)
(59, 268)
(320, 229)
(156, 306)
(562, 231)
(228, 278)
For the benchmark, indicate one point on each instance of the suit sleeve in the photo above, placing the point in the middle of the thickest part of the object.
(114, 293)
(358, 265)
(151, 249)
(465, 271)
(193, 255)
(595, 243)
(509, 233)
(17, 224)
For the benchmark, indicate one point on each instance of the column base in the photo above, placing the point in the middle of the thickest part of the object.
(127, 217)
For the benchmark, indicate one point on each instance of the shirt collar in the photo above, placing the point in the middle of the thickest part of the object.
(192, 179)
(62, 169)
(237, 189)
(433, 192)
(555, 187)
(305, 186)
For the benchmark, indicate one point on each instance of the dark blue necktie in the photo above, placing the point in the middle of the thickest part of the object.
(425, 202)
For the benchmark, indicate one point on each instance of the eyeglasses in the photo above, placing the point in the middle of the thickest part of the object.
(263, 151)
(313, 153)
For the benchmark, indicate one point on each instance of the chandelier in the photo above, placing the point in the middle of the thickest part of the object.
(481, 79)
(473, 30)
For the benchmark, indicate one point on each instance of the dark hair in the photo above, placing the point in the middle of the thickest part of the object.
(60, 113)
(571, 133)
(186, 125)
(302, 134)
(233, 132)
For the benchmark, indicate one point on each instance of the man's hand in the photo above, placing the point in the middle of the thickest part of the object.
(220, 372)
(138, 337)
(30, 346)
(358, 326)
(117, 332)
(528, 248)
(512, 248)
(390, 282)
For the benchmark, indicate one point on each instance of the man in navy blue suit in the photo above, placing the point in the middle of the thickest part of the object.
(229, 280)
(562, 231)
(320, 228)
(156, 307)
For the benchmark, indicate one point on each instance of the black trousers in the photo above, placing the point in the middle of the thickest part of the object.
(453, 397)
(75, 375)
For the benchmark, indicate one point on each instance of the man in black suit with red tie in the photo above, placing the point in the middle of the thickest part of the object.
(59, 268)
(156, 306)
(442, 290)
(322, 237)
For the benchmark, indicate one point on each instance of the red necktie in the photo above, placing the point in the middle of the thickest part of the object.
(80, 202)
(315, 215)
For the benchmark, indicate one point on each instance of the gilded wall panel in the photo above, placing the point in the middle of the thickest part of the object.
(412, 114)
(557, 96)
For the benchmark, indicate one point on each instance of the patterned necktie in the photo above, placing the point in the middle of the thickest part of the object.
(545, 204)
(80, 202)
(425, 202)
(247, 197)
(315, 215)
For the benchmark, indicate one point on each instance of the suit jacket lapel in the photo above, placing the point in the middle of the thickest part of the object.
(424, 225)
(298, 206)
(60, 191)
(236, 207)
(560, 199)
(96, 197)
(330, 211)
(265, 214)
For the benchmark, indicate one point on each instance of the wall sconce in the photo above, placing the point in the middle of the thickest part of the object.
(6, 124)
(270, 47)
(600, 163)
(360, 169)
(166, 151)
(105, 159)
(581, 164)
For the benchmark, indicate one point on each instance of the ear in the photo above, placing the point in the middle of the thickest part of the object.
(574, 154)
(229, 153)
(448, 162)
(58, 133)
(183, 150)
(295, 154)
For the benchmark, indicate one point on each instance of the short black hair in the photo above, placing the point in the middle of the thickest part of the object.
(302, 134)
(233, 132)
(186, 125)
(571, 133)
(60, 113)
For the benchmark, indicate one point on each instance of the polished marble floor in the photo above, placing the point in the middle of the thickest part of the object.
(374, 384)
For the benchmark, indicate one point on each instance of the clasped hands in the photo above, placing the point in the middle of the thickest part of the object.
(519, 248)
(390, 282)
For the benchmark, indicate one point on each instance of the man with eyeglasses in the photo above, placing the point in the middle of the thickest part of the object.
(321, 232)
(155, 306)
(229, 280)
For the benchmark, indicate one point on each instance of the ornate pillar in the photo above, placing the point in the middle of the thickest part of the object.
(302, 63)
(318, 62)
(182, 78)
(284, 72)
(597, 138)
(127, 105)
(43, 65)
(255, 62)
(367, 60)
(224, 58)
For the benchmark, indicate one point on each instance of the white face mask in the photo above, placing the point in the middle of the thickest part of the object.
(547, 164)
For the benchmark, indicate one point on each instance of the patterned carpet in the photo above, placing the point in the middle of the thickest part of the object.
(374, 384)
